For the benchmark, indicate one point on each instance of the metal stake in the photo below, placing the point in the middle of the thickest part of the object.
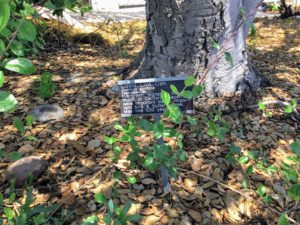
(163, 170)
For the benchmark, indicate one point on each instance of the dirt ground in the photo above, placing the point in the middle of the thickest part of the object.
(83, 73)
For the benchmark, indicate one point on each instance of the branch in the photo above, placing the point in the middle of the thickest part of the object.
(223, 48)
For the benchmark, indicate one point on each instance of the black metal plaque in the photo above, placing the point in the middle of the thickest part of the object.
(143, 97)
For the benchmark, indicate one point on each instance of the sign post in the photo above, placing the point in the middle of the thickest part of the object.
(143, 97)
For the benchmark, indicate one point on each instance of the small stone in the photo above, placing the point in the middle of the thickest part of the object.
(93, 144)
(22, 168)
(195, 215)
(47, 112)
(26, 149)
(2, 146)
(148, 181)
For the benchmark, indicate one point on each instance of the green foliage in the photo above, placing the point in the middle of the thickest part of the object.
(7, 102)
(283, 220)
(262, 107)
(114, 214)
(291, 106)
(228, 58)
(46, 87)
(19, 65)
(19, 125)
(24, 214)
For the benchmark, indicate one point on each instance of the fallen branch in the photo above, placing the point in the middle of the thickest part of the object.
(238, 192)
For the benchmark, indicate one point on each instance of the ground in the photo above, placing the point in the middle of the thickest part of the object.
(83, 73)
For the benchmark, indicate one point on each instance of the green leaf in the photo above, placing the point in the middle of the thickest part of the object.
(146, 125)
(19, 125)
(234, 149)
(1, 199)
(261, 106)
(29, 120)
(117, 175)
(91, 220)
(189, 81)
(100, 198)
(126, 208)
(244, 183)
(111, 206)
(1, 78)
(243, 13)
(125, 138)
(19, 65)
(183, 155)
(283, 220)
(27, 31)
(40, 219)
(9, 213)
(294, 103)
(2, 46)
(117, 150)
(1, 153)
(243, 159)
(12, 197)
(228, 58)
(4, 13)
(17, 48)
(272, 169)
(187, 94)
(174, 89)
(288, 109)
(197, 90)
(118, 127)
(249, 170)
(7, 101)
(295, 147)
(109, 140)
(174, 113)
(215, 44)
(131, 180)
(14, 156)
(165, 97)
(252, 28)
(193, 121)
(261, 190)
(294, 192)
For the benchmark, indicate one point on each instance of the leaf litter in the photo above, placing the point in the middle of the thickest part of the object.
(79, 159)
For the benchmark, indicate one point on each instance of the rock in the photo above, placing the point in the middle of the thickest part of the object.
(22, 168)
(47, 112)
(2, 146)
(93, 144)
(195, 215)
(26, 149)
(148, 181)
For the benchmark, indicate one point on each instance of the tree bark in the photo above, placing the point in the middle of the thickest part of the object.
(178, 42)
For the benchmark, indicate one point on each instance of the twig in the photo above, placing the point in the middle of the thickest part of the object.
(236, 191)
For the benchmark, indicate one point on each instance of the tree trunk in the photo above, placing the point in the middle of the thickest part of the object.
(178, 42)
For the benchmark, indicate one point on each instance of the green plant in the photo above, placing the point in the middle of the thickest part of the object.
(291, 106)
(24, 214)
(23, 127)
(115, 215)
(262, 107)
(157, 155)
(256, 160)
(46, 87)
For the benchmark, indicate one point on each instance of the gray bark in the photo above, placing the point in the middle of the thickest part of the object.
(178, 42)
